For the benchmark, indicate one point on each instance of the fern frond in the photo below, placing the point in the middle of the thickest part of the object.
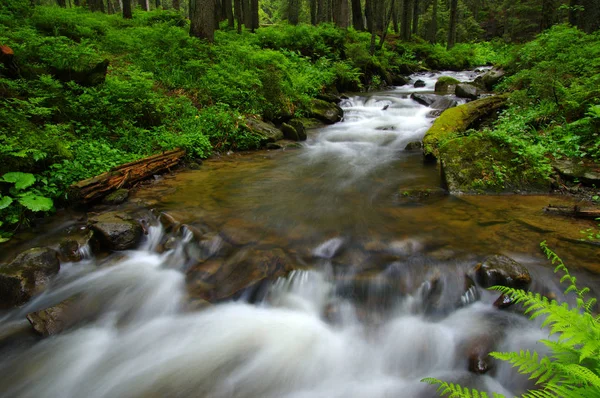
(456, 391)
(539, 368)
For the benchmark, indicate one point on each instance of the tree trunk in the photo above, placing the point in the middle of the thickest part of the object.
(591, 16)
(77, 3)
(143, 4)
(96, 5)
(386, 24)
(406, 19)
(357, 16)
(227, 4)
(176, 5)
(548, 14)
(293, 12)
(110, 7)
(254, 14)
(434, 26)
(127, 14)
(415, 18)
(62, 3)
(341, 13)
(321, 11)
(573, 12)
(124, 176)
(202, 14)
(237, 4)
(313, 12)
(453, 22)
(247, 14)
(395, 17)
(156, 3)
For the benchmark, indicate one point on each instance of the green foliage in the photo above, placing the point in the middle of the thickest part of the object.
(573, 367)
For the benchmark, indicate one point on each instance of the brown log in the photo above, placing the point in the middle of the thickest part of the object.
(124, 176)
(573, 211)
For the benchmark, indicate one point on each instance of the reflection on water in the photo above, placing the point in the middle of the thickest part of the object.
(376, 287)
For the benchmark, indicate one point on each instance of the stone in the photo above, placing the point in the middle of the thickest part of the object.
(446, 85)
(466, 91)
(399, 80)
(300, 129)
(585, 173)
(329, 97)
(195, 165)
(27, 275)
(266, 132)
(503, 301)
(325, 112)
(55, 319)
(492, 77)
(284, 144)
(117, 197)
(443, 103)
(70, 248)
(424, 99)
(499, 270)
(413, 146)
(289, 132)
(419, 83)
(477, 351)
(411, 195)
(116, 230)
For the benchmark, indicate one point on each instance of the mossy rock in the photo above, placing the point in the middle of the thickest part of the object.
(457, 120)
(446, 84)
(324, 111)
(266, 132)
(477, 164)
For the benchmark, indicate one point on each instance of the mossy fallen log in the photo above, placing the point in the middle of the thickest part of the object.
(124, 176)
(459, 119)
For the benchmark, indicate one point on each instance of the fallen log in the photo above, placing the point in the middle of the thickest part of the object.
(124, 176)
(573, 211)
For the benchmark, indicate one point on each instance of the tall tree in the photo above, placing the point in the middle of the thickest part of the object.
(144, 4)
(61, 3)
(202, 13)
(237, 5)
(127, 14)
(548, 14)
(396, 16)
(293, 12)
(406, 19)
(313, 12)
(247, 14)
(254, 14)
(453, 23)
(96, 5)
(341, 13)
(433, 27)
(591, 16)
(322, 11)
(415, 17)
(228, 6)
(357, 15)
(176, 4)
(574, 12)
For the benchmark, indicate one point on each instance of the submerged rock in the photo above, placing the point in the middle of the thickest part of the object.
(116, 230)
(502, 271)
(71, 248)
(504, 301)
(424, 99)
(325, 111)
(284, 144)
(419, 83)
(55, 319)
(27, 275)
(413, 146)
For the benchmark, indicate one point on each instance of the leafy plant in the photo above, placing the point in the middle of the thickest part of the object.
(573, 367)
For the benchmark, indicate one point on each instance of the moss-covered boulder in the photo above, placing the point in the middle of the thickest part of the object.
(459, 119)
(117, 197)
(27, 275)
(499, 270)
(266, 132)
(478, 164)
(116, 230)
(325, 112)
(446, 84)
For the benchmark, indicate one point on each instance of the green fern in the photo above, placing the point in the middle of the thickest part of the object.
(573, 367)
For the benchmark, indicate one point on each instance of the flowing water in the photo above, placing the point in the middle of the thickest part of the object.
(371, 296)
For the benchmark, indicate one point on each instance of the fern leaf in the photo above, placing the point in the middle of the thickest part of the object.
(456, 391)
(21, 180)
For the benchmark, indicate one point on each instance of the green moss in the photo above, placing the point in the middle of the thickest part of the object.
(480, 164)
(458, 120)
(448, 80)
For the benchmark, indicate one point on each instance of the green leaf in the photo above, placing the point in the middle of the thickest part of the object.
(21, 180)
(36, 202)
(5, 201)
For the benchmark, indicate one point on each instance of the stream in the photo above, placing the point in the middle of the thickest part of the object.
(370, 293)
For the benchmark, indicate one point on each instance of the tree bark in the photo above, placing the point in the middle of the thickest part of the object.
(357, 16)
(313, 12)
(293, 12)
(433, 27)
(124, 176)
(127, 14)
(406, 19)
(395, 17)
(341, 13)
(591, 16)
(143, 4)
(61, 3)
(176, 5)
(453, 22)
(254, 15)
(247, 14)
(415, 17)
(227, 4)
(96, 5)
(202, 14)
(238, 14)
(321, 11)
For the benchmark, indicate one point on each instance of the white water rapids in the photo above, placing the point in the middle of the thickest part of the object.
(304, 337)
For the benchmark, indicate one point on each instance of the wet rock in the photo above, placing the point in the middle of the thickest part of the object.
(419, 83)
(504, 301)
(300, 129)
(27, 275)
(471, 294)
(413, 146)
(586, 173)
(446, 85)
(424, 99)
(239, 232)
(329, 97)
(284, 144)
(243, 269)
(116, 230)
(168, 222)
(117, 197)
(466, 91)
(492, 77)
(477, 351)
(399, 80)
(503, 271)
(442, 103)
(195, 165)
(208, 246)
(266, 132)
(325, 112)
(289, 132)
(55, 319)
(71, 248)
(421, 194)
